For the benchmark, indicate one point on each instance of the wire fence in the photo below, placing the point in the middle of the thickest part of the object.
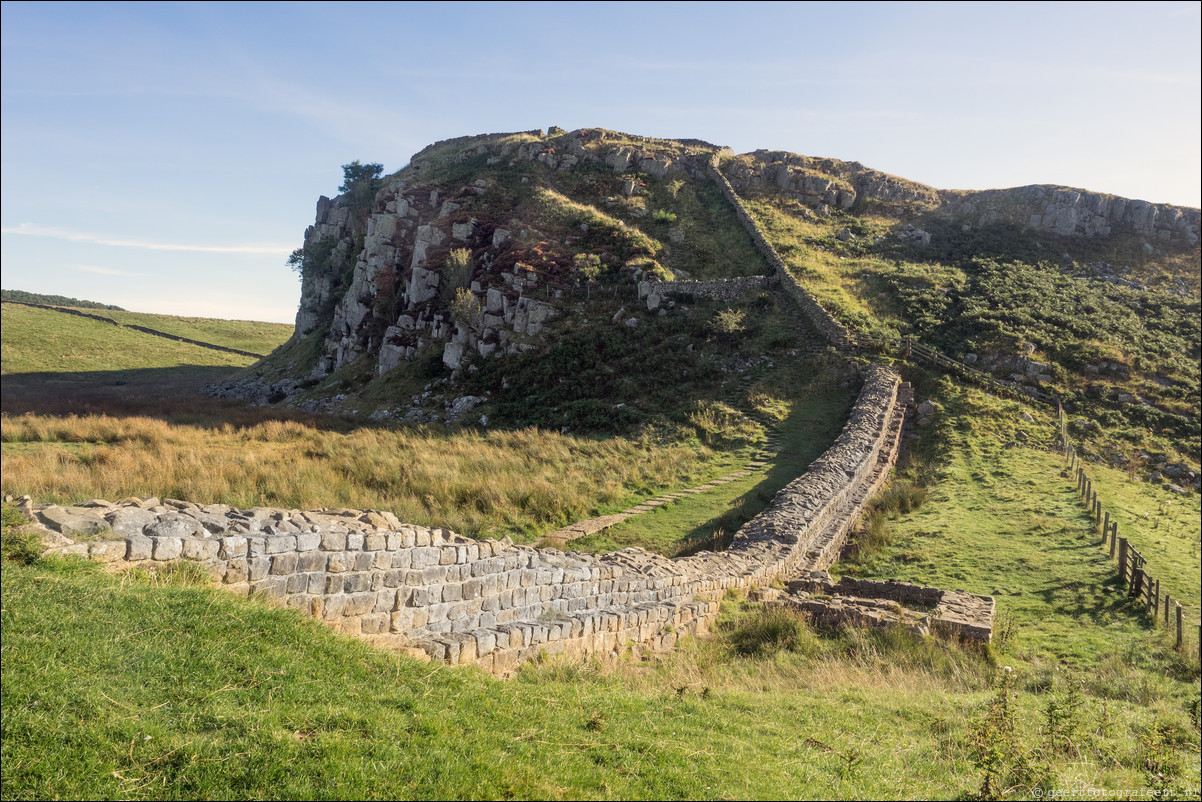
(1133, 572)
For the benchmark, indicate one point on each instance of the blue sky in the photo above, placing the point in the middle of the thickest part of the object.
(167, 158)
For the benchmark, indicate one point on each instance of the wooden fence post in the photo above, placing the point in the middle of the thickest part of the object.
(1097, 509)
(1137, 582)
(1123, 560)
(1106, 527)
(1114, 533)
(1180, 624)
(1154, 601)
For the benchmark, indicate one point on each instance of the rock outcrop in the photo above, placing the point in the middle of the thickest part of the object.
(1066, 211)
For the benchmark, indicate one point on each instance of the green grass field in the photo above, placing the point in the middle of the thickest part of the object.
(134, 686)
(44, 341)
(253, 336)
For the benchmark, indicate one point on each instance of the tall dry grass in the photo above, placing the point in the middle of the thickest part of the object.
(521, 483)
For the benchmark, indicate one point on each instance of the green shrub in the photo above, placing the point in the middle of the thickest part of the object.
(729, 321)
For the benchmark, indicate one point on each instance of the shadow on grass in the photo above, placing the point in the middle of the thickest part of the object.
(171, 394)
(806, 434)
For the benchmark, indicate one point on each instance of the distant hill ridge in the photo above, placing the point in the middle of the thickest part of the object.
(20, 296)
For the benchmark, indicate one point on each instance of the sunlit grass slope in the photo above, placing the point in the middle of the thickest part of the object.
(41, 340)
(256, 337)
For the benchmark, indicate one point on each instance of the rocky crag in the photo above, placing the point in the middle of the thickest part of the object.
(825, 184)
(496, 216)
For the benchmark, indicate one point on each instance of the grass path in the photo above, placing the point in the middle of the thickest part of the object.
(711, 517)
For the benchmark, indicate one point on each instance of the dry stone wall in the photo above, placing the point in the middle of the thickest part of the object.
(819, 318)
(871, 604)
(722, 289)
(488, 602)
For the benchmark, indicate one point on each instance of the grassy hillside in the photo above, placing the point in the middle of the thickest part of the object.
(21, 296)
(140, 687)
(44, 341)
(1123, 356)
(254, 336)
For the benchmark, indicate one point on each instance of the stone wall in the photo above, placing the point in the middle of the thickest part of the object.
(819, 318)
(868, 603)
(721, 289)
(489, 602)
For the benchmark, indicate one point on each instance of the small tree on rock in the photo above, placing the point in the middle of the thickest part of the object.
(296, 261)
(361, 182)
(466, 310)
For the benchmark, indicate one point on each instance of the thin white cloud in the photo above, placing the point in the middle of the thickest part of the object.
(32, 230)
(104, 271)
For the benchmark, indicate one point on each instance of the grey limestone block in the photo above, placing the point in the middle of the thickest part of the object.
(311, 561)
(200, 549)
(231, 547)
(128, 521)
(271, 587)
(374, 623)
(333, 541)
(356, 582)
(308, 541)
(257, 568)
(359, 603)
(166, 548)
(386, 601)
(236, 572)
(73, 521)
(333, 607)
(277, 544)
(107, 550)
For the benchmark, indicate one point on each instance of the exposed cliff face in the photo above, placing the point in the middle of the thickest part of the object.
(380, 277)
(1059, 210)
(377, 280)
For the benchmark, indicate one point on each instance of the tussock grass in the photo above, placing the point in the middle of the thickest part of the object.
(521, 483)
(770, 630)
